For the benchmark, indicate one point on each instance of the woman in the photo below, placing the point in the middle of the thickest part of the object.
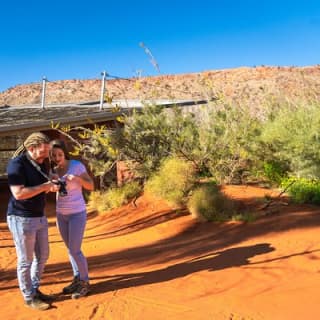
(71, 214)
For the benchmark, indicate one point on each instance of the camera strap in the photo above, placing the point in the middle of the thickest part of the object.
(37, 167)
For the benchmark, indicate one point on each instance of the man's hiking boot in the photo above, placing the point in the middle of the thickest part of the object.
(72, 287)
(82, 290)
(44, 297)
(37, 304)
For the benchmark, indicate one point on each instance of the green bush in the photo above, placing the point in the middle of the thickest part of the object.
(145, 140)
(173, 181)
(221, 140)
(292, 136)
(303, 190)
(229, 135)
(114, 197)
(274, 171)
(209, 204)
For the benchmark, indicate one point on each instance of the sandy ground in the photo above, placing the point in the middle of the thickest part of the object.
(155, 262)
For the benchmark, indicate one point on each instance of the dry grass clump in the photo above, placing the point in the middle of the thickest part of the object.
(208, 203)
(114, 197)
(173, 181)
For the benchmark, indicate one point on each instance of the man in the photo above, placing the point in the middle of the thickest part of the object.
(26, 220)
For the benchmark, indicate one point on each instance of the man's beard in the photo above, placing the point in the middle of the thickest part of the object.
(40, 159)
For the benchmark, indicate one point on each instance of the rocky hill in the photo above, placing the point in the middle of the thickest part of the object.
(244, 85)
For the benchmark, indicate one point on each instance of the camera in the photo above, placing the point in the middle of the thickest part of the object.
(63, 187)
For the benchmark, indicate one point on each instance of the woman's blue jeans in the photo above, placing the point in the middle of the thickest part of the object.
(71, 228)
(30, 237)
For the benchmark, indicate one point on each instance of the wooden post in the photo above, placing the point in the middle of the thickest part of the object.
(43, 96)
(103, 83)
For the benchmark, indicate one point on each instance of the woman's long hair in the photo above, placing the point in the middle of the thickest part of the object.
(60, 145)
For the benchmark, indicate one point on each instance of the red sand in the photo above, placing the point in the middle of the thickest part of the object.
(154, 262)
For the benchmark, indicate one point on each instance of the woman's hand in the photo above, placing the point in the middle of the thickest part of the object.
(71, 177)
(84, 179)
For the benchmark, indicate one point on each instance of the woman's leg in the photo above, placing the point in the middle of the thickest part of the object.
(63, 226)
(72, 228)
(77, 223)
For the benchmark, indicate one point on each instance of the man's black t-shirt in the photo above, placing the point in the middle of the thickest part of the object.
(22, 172)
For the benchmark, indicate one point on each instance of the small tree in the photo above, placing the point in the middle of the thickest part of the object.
(145, 140)
(228, 140)
(96, 146)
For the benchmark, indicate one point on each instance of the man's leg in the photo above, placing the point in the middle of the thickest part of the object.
(41, 252)
(24, 236)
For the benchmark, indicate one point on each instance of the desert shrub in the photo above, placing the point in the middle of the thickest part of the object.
(220, 139)
(98, 201)
(303, 190)
(208, 203)
(145, 140)
(292, 136)
(173, 181)
(228, 138)
(156, 133)
(114, 197)
(275, 171)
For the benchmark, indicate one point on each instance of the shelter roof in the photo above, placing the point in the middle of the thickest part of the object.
(34, 118)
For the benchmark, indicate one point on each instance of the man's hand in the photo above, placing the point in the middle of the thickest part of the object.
(21, 192)
(51, 186)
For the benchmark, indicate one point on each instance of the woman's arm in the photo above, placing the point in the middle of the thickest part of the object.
(84, 179)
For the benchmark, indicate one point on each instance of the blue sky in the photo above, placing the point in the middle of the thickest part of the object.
(79, 39)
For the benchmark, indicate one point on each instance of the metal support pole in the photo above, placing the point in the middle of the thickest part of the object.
(103, 83)
(43, 96)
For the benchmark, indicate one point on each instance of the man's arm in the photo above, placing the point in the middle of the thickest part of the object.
(21, 192)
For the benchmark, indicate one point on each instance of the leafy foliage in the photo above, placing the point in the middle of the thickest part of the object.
(145, 139)
(219, 140)
(114, 197)
(173, 181)
(230, 137)
(292, 135)
(95, 146)
(303, 190)
(275, 171)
